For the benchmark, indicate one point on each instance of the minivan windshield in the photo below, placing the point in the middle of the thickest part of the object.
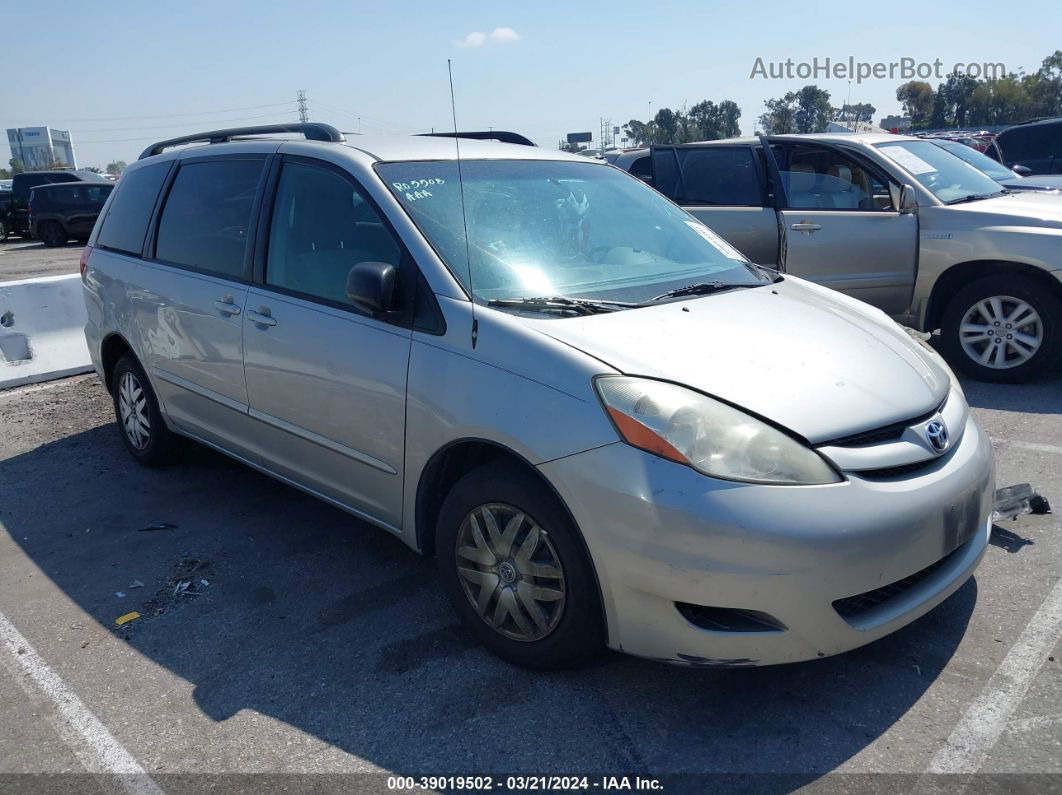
(949, 179)
(979, 160)
(543, 228)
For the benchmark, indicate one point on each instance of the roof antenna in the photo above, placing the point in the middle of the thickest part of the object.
(464, 217)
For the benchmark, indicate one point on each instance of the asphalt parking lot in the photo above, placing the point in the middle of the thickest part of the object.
(28, 259)
(308, 642)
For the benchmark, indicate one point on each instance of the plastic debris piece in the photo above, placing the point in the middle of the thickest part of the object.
(136, 584)
(182, 586)
(204, 583)
(125, 619)
(1013, 501)
(120, 594)
(157, 526)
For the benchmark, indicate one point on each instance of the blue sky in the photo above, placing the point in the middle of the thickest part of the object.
(552, 69)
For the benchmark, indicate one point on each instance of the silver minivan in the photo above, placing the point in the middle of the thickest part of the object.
(607, 425)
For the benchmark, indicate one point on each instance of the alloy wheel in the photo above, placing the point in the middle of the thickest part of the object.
(510, 572)
(132, 407)
(1001, 332)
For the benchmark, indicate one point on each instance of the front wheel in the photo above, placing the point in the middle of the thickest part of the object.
(515, 569)
(1002, 328)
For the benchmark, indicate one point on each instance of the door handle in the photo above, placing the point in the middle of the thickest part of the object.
(227, 307)
(261, 318)
(806, 227)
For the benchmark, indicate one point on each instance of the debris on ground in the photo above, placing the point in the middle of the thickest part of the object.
(135, 584)
(1013, 501)
(120, 594)
(125, 619)
(157, 526)
(185, 581)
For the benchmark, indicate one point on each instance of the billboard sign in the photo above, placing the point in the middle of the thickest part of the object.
(580, 138)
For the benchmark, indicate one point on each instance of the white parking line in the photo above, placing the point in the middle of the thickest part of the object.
(980, 728)
(95, 747)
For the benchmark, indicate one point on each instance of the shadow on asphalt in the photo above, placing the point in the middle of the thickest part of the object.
(1042, 396)
(339, 630)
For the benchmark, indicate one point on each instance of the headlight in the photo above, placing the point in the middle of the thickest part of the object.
(716, 439)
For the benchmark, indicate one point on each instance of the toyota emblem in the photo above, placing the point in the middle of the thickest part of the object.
(937, 434)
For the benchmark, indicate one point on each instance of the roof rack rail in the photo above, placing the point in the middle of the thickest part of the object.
(314, 131)
(486, 135)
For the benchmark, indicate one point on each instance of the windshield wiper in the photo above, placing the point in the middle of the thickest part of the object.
(701, 288)
(561, 303)
(976, 197)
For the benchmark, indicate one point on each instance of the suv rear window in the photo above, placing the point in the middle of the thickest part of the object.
(207, 213)
(126, 223)
(719, 175)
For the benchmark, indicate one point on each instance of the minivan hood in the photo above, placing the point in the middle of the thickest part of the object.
(812, 360)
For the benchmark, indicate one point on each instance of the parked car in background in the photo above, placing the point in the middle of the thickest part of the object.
(1034, 145)
(607, 425)
(62, 210)
(634, 161)
(896, 221)
(997, 171)
(5, 213)
(27, 180)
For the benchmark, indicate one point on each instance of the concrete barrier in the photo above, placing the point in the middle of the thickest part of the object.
(42, 330)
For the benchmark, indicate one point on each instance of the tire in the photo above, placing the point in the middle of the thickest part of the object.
(5, 229)
(150, 446)
(52, 234)
(567, 629)
(1025, 351)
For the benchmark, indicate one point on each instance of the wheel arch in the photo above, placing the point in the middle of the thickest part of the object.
(959, 275)
(445, 468)
(113, 348)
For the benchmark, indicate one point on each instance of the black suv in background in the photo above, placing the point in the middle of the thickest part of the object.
(27, 180)
(60, 211)
(5, 213)
(1036, 145)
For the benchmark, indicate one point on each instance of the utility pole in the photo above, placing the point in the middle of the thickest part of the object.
(304, 116)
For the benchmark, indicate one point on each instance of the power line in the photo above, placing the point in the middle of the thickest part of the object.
(173, 115)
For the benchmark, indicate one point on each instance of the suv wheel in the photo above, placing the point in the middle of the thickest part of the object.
(145, 434)
(51, 234)
(515, 570)
(5, 230)
(1002, 328)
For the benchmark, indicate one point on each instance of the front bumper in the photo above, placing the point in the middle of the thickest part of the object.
(660, 533)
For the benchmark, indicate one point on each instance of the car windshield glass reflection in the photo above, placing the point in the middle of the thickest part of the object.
(556, 228)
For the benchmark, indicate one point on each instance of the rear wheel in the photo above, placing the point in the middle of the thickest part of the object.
(145, 434)
(52, 234)
(5, 229)
(515, 570)
(1002, 328)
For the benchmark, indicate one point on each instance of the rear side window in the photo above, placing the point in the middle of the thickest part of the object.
(719, 175)
(665, 172)
(126, 223)
(642, 168)
(205, 220)
(97, 194)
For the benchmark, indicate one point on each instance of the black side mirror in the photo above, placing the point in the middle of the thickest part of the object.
(1022, 171)
(371, 286)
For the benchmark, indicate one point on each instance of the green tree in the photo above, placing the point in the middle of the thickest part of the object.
(116, 167)
(638, 132)
(813, 110)
(958, 91)
(667, 127)
(17, 166)
(917, 99)
(711, 121)
(780, 116)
